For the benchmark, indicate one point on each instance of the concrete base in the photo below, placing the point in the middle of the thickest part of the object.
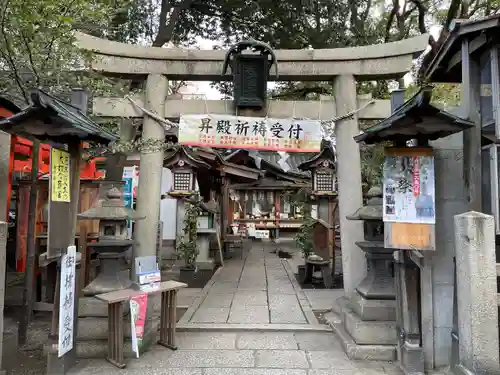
(365, 339)
(369, 332)
(98, 347)
(373, 309)
(360, 351)
(412, 360)
(92, 339)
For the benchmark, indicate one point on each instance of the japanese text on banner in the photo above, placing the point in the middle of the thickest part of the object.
(59, 176)
(257, 133)
(67, 301)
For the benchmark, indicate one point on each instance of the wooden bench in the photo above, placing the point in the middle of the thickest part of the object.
(168, 319)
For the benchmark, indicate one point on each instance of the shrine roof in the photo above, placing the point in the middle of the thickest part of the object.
(271, 160)
(50, 118)
(444, 62)
(327, 152)
(267, 183)
(415, 118)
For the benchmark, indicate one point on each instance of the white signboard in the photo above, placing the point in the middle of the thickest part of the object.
(261, 233)
(67, 301)
(257, 133)
(409, 191)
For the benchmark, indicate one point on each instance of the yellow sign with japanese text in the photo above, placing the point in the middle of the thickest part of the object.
(59, 175)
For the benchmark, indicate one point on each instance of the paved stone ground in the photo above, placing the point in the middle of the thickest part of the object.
(257, 290)
(258, 322)
(245, 353)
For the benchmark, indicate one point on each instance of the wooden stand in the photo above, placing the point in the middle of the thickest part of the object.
(168, 320)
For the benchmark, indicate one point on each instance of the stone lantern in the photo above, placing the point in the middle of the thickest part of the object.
(368, 318)
(379, 282)
(113, 243)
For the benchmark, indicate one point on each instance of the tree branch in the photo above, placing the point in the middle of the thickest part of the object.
(166, 30)
(452, 13)
(421, 15)
(390, 20)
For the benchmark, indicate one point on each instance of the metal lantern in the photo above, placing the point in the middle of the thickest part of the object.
(324, 178)
(250, 72)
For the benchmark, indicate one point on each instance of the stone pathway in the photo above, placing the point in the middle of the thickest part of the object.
(251, 319)
(245, 353)
(257, 290)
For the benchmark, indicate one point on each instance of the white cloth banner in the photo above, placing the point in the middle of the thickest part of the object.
(258, 133)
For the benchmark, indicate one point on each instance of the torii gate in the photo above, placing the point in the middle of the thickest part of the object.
(343, 66)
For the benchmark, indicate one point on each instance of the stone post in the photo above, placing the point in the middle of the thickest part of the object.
(477, 293)
(3, 261)
(151, 168)
(349, 183)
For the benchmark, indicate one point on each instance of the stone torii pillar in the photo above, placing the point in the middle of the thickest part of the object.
(349, 182)
(151, 168)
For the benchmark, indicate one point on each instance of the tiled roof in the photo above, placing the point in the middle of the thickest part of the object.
(62, 119)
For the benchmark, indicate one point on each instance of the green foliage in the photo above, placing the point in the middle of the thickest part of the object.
(37, 46)
(304, 236)
(187, 248)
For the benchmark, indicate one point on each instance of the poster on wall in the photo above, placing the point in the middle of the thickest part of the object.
(409, 190)
(256, 133)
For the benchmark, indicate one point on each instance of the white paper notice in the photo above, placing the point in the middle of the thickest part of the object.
(67, 301)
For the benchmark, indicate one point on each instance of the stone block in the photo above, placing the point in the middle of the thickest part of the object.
(373, 309)
(362, 352)
(209, 358)
(253, 371)
(92, 307)
(97, 329)
(330, 360)
(316, 341)
(206, 340)
(245, 314)
(250, 298)
(267, 340)
(210, 315)
(412, 359)
(281, 359)
(98, 348)
(218, 300)
(369, 332)
(286, 314)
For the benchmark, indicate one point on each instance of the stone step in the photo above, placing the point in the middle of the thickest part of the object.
(227, 327)
(356, 351)
(498, 269)
(368, 332)
(98, 347)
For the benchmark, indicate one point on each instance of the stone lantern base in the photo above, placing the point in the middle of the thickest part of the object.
(366, 326)
(92, 338)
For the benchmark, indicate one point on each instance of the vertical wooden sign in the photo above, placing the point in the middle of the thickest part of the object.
(409, 206)
(59, 203)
